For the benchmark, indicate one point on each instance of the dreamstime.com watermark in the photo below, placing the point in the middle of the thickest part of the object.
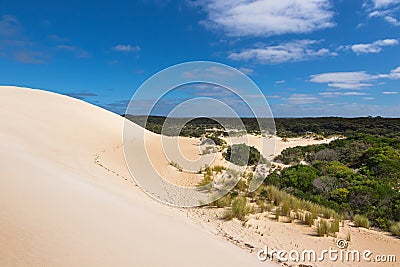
(340, 254)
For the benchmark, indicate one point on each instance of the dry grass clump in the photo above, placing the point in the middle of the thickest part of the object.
(395, 229)
(239, 209)
(361, 221)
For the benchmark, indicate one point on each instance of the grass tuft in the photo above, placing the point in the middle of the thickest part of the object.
(361, 221)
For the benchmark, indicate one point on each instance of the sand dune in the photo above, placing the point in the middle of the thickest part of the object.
(67, 198)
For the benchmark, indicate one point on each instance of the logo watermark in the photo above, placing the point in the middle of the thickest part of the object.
(340, 254)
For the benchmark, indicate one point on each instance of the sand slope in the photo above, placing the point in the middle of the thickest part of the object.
(61, 206)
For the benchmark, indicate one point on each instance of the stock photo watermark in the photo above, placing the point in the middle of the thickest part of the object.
(339, 254)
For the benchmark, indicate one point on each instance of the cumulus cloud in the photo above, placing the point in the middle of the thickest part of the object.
(352, 80)
(126, 48)
(384, 3)
(293, 51)
(393, 75)
(374, 47)
(265, 17)
(392, 20)
(344, 80)
(385, 9)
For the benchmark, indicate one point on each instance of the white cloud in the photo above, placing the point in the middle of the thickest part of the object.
(390, 93)
(353, 80)
(266, 17)
(210, 72)
(247, 71)
(280, 81)
(297, 50)
(126, 48)
(300, 99)
(392, 20)
(374, 47)
(393, 75)
(344, 80)
(334, 94)
(384, 3)
(385, 9)
(273, 96)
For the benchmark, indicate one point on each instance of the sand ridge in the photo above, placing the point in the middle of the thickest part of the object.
(59, 208)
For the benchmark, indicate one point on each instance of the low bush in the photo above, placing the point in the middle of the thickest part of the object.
(323, 228)
(241, 154)
(361, 221)
(240, 208)
(395, 229)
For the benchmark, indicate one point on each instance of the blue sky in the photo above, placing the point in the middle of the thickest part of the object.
(309, 58)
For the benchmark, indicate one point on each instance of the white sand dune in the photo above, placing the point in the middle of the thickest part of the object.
(66, 197)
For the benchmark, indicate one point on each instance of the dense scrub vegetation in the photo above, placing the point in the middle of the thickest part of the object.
(241, 154)
(359, 176)
(285, 127)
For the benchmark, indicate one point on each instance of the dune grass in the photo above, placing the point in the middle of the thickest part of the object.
(239, 209)
(395, 229)
(361, 221)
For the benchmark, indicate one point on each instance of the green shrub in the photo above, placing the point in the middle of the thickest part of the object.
(224, 201)
(309, 218)
(240, 208)
(286, 207)
(395, 229)
(323, 228)
(361, 221)
(241, 154)
(334, 228)
(176, 165)
(218, 168)
(205, 183)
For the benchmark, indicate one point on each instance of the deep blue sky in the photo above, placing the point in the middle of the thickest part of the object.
(310, 58)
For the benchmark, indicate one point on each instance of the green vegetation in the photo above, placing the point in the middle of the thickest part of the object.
(216, 139)
(240, 208)
(205, 183)
(241, 154)
(176, 165)
(323, 228)
(328, 228)
(356, 175)
(285, 127)
(361, 221)
(395, 229)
